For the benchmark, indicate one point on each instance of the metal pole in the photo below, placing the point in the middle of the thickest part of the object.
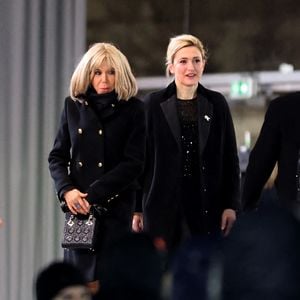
(186, 15)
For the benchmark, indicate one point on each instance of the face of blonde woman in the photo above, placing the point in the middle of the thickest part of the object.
(103, 80)
(187, 67)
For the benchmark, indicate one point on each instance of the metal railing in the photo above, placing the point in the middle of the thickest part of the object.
(265, 83)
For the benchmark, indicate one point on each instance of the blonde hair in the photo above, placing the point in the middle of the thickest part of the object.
(125, 82)
(181, 41)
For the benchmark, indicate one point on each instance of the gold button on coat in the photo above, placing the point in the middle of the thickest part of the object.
(79, 130)
(100, 164)
(100, 132)
(80, 164)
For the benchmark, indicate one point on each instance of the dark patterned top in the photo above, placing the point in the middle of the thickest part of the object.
(188, 117)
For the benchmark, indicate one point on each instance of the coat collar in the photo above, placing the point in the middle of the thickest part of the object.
(99, 108)
(205, 116)
(102, 104)
(87, 113)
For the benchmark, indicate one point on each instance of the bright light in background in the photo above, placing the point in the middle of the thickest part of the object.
(242, 88)
(286, 68)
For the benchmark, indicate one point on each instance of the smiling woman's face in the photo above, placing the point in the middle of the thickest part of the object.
(187, 66)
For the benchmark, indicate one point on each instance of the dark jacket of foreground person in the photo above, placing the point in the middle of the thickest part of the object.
(278, 142)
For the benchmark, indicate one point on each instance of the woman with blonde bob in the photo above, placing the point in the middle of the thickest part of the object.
(191, 177)
(98, 152)
(125, 83)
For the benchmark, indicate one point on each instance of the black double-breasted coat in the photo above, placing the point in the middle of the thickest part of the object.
(218, 162)
(102, 155)
(278, 141)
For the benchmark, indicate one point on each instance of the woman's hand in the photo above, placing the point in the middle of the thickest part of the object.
(76, 202)
(137, 222)
(228, 219)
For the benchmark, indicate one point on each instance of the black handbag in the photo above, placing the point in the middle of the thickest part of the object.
(80, 231)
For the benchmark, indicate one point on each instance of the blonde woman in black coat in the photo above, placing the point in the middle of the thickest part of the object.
(191, 178)
(98, 152)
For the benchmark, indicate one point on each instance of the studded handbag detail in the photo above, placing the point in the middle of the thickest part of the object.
(80, 231)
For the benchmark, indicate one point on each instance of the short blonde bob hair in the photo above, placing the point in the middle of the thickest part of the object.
(99, 53)
(181, 41)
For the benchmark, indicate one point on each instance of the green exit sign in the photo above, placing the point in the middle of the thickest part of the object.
(242, 88)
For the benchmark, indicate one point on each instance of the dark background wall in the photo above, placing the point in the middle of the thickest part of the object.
(240, 35)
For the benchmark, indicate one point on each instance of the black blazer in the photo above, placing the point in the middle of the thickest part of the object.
(278, 141)
(219, 166)
(101, 156)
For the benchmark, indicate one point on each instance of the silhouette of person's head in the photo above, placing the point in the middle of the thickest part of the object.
(61, 280)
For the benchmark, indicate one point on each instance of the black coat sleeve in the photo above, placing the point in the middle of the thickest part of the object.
(231, 179)
(59, 157)
(146, 176)
(262, 159)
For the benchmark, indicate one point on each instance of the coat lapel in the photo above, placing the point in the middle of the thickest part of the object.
(205, 110)
(170, 112)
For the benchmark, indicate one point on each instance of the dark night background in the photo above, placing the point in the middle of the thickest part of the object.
(239, 35)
